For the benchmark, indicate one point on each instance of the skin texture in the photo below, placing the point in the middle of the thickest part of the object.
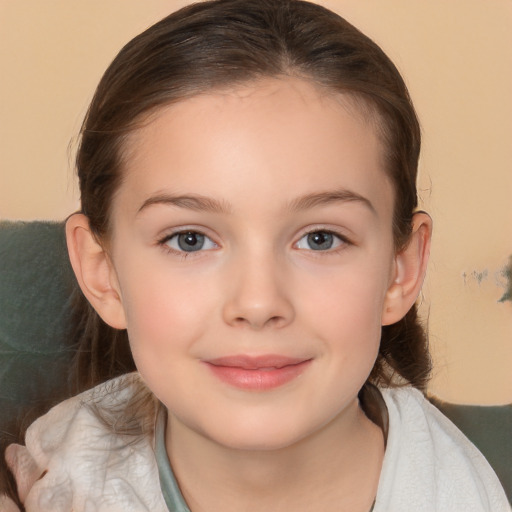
(255, 169)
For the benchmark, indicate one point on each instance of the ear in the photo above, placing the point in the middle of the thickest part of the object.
(409, 272)
(94, 271)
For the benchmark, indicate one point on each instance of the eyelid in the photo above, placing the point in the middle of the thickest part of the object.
(185, 228)
(163, 239)
(341, 236)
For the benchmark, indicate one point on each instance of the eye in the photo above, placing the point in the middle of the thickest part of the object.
(321, 240)
(189, 241)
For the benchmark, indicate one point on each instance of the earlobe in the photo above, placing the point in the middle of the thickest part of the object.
(410, 270)
(94, 271)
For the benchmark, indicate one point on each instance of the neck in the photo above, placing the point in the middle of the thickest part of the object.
(336, 468)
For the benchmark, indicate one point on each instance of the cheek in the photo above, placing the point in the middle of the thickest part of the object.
(348, 299)
(163, 331)
(162, 314)
(343, 309)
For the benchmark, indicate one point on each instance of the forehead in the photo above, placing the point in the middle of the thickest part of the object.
(300, 137)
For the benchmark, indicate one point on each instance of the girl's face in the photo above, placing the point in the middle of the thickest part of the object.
(253, 253)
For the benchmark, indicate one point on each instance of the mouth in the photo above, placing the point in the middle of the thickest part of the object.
(257, 373)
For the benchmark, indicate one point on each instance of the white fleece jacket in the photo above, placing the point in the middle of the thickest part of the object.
(71, 462)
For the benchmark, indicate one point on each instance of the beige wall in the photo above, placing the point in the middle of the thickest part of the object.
(457, 60)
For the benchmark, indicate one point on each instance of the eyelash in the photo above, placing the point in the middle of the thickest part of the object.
(164, 242)
(344, 241)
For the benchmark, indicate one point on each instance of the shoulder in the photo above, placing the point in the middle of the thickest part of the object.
(81, 456)
(430, 463)
(91, 414)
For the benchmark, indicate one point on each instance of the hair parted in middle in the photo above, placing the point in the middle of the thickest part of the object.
(221, 44)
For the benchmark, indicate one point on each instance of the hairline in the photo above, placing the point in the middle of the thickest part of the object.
(358, 103)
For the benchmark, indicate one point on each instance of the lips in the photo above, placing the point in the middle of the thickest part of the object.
(257, 373)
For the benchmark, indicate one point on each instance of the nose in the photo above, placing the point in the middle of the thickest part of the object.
(258, 295)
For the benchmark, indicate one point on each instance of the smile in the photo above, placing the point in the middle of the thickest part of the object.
(259, 373)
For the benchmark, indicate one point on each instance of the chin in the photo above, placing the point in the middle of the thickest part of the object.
(260, 445)
(258, 436)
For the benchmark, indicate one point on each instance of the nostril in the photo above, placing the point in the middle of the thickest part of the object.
(254, 309)
(43, 474)
(259, 323)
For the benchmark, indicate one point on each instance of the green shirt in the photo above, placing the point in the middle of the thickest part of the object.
(170, 490)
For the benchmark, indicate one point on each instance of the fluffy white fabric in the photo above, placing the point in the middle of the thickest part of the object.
(73, 462)
(87, 467)
(429, 465)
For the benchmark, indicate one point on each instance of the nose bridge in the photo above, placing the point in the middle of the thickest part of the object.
(258, 294)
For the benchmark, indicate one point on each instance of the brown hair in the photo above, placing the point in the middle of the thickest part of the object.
(222, 43)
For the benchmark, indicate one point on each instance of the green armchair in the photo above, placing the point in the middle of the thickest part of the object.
(36, 285)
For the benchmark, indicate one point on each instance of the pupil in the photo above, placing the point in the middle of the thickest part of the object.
(320, 240)
(190, 241)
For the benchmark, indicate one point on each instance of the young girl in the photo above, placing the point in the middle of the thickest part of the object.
(247, 172)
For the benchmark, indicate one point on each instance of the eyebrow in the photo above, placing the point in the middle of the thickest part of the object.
(191, 202)
(210, 205)
(328, 197)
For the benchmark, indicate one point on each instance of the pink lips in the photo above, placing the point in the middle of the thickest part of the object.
(258, 373)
